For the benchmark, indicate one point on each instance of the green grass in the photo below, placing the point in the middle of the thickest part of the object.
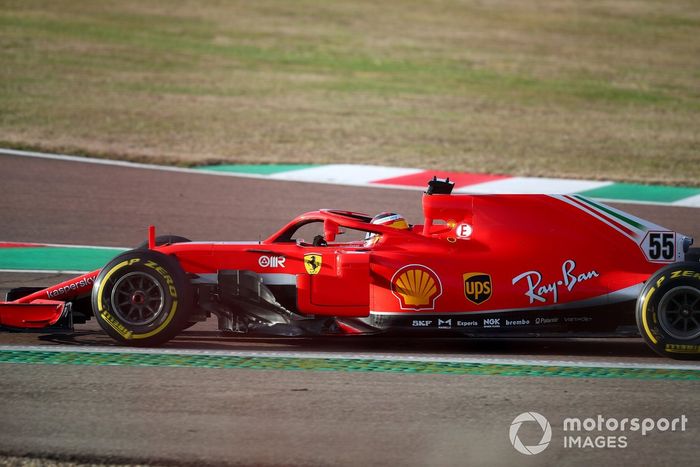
(599, 89)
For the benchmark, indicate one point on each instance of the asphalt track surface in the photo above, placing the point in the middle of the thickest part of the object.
(129, 414)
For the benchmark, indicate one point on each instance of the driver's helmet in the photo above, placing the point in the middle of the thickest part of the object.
(389, 219)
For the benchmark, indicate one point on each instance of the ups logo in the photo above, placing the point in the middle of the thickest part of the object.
(477, 287)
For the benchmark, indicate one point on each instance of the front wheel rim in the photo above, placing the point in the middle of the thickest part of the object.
(679, 313)
(137, 299)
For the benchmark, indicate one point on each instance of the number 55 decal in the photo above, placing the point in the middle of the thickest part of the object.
(660, 246)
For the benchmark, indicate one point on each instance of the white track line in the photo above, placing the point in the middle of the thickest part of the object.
(356, 177)
(350, 356)
(691, 202)
(165, 168)
(531, 185)
(58, 245)
(62, 245)
(345, 173)
(116, 163)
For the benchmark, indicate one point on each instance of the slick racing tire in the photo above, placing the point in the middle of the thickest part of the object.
(142, 298)
(169, 240)
(164, 240)
(668, 311)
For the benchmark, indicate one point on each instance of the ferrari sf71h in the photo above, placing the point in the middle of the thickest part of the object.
(478, 265)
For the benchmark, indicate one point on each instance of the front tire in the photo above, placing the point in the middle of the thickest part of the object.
(142, 298)
(668, 311)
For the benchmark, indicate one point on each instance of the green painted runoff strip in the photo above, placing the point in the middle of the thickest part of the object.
(256, 169)
(631, 191)
(56, 258)
(343, 365)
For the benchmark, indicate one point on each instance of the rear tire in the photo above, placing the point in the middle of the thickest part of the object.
(142, 298)
(668, 311)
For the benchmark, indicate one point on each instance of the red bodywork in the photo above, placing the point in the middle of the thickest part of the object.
(473, 255)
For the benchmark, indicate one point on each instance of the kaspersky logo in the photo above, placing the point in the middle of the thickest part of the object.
(477, 287)
(70, 287)
(531, 420)
(417, 287)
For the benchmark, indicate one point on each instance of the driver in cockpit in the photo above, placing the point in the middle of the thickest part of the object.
(389, 219)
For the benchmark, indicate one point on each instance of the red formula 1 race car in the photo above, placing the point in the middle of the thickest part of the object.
(479, 265)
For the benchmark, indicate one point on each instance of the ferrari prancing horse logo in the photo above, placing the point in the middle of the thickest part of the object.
(312, 263)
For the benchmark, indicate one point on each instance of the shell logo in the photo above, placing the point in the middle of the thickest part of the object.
(417, 287)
